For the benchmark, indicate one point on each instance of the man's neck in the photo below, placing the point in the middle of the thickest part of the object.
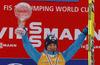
(51, 52)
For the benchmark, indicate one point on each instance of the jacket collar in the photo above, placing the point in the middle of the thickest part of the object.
(51, 53)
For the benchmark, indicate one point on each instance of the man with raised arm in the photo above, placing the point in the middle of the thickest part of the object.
(51, 55)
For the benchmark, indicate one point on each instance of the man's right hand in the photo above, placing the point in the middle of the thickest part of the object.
(20, 31)
(94, 24)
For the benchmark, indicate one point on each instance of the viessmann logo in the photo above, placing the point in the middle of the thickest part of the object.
(2, 45)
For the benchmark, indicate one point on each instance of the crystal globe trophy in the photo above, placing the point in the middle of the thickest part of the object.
(23, 11)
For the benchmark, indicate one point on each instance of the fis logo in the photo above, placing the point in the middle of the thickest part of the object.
(54, 0)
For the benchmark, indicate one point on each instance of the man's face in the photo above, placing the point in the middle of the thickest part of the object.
(52, 47)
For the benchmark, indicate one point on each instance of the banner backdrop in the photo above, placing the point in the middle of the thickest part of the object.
(65, 20)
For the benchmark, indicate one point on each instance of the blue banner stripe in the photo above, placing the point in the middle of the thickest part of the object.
(19, 61)
(54, 0)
